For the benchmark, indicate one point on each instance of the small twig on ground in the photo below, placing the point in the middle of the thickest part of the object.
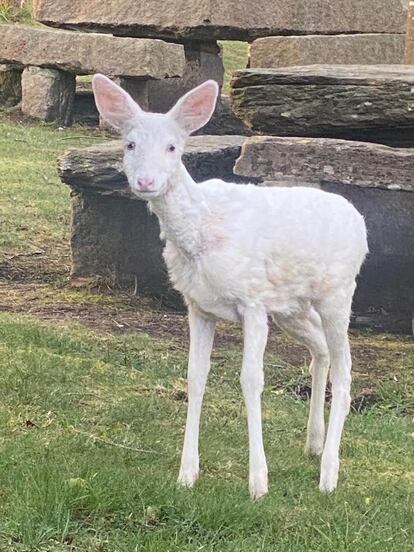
(30, 254)
(81, 394)
(79, 138)
(136, 286)
(119, 325)
(110, 443)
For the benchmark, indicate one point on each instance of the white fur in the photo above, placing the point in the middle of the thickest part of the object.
(244, 253)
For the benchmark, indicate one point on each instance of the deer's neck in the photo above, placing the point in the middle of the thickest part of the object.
(181, 210)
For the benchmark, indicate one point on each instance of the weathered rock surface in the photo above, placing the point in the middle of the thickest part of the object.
(10, 85)
(113, 233)
(284, 51)
(233, 19)
(48, 94)
(409, 43)
(88, 53)
(224, 121)
(378, 181)
(361, 102)
(292, 161)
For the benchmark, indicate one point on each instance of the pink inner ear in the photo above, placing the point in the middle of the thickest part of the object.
(111, 101)
(199, 103)
(195, 109)
(114, 104)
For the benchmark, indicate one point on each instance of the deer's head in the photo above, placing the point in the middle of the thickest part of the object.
(153, 142)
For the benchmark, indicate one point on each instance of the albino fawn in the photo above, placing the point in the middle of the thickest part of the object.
(242, 253)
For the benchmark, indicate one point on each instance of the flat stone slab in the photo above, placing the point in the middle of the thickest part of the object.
(98, 169)
(284, 51)
(293, 161)
(88, 53)
(358, 102)
(232, 19)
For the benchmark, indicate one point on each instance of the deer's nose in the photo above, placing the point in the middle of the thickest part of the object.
(145, 184)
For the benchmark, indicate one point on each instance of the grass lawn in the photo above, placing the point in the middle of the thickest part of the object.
(34, 206)
(92, 425)
(234, 57)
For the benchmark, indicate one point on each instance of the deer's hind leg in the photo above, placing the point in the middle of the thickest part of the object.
(335, 313)
(308, 330)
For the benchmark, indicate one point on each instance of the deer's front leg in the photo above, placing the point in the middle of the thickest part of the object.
(201, 343)
(252, 380)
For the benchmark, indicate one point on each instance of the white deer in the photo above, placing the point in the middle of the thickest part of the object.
(244, 253)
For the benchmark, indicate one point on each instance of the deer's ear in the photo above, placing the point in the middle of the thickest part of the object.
(114, 104)
(195, 108)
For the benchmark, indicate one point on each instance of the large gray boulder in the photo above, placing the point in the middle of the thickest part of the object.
(232, 19)
(367, 49)
(88, 53)
(378, 180)
(113, 234)
(358, 102)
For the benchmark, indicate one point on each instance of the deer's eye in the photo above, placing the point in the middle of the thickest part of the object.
(171, 148)
(131, 146)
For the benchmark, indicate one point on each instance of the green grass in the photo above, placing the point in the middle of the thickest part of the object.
(9, 14)
(35, 205)
(234, 58)
(61, 488)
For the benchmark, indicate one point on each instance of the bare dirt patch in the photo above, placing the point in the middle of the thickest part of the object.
(118, 312)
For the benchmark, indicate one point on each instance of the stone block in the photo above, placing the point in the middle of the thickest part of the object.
(356, 102)
(360, 49)
(10, 85)
(88, 53)
(229, 20)
(48, 94)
